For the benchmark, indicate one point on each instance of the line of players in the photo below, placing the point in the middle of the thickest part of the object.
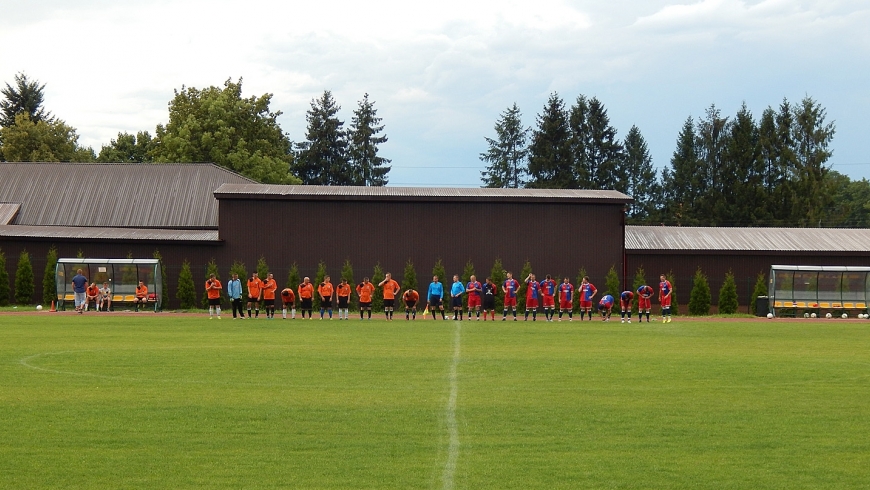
(479, 296)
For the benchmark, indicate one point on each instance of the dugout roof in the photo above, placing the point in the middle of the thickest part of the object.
(688, 239)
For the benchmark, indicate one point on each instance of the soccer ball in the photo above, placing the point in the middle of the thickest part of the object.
(827, 315)
(806, 315)
(770, 315)
(812, 315)
(845, 316)
(38, 307)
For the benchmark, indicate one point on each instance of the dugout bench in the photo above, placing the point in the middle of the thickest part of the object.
(122, 275)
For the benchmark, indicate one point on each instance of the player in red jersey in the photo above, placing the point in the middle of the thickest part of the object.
(625, 304)
(566, 299)
(665, 290)
(510, 287)
(586, 291)
(644, 302)
(474, 290)
(548, 294)
(533, 292)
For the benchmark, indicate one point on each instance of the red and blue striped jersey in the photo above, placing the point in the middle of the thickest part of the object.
(533, 290)
(511, 286)
(566, 292)
(473, 288)
(587, 291)
(548, 287)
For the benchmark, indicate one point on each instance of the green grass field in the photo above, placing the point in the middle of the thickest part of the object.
(178, 401)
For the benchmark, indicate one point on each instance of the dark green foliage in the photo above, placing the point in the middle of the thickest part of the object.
(368, 167)
(675, 305)
(26, 98)
(639, 280)
(728, 303)
(4, 281)
(467, 272)
(699, 298)
(239, 268)
(162, 270)
(42, 141)
(323, 157)
(210, 268)
(521, 278)
(438, 270)
(507, 155)
(128, 148)
(24, 287)
(293, 279)
(318, 279)
(378, 296)
(49, 288)
(262, 268)
(612, 284)
(497, 273)
(643, 184)
(409, 281)
(186, 291)
(760, 289)
(601, 165)
(347, 272)
(551, 165)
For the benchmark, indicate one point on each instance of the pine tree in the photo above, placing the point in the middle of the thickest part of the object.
(210, 268)
(24, 280)
(643, 185)
(742, 201)
(163, 282)
(507, 156)
(612, 283)
(639, 280)
(812, 188)
(347, 272)
(467, 272)
(409, 281)
(293, 279)
(578, 125)
(439, 270)
(25, 97)
(378, 296)
(699, 298)
(497, 274)
(728, 303)
(603, 151)
(369, 169)
(238, 267)
(713, 137)
(683, 182)
(521, 293)
(318, 280)
(760, 289)
(186, 291)
(323, 158)
(49, 278)
(4, 281)
(551, 165)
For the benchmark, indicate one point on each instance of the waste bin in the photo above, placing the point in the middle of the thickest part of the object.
(762, 306)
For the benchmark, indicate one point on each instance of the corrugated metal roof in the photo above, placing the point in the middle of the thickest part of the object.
(8, 211)
(100, 233)
(115, 194)
(304, 192)
(747, 239)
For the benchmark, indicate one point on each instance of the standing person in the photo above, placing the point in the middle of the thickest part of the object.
(644, 302)
(255, 288)
(474, 290)
(342, 292)
(91, 294)
(456, 292)
(105, 297)
(548, 293)
(566, 299)
(410, 299)
(587, 291)
(365, 290)
(325, 290)
(605, 306)
(665, 290)
(141, 295)
(270, 285)
(488, 292)
(510, 287)
(533, 293)
(213, 289)
(625, 305)
(80, 285)
(306, 296)
(288, 298)
(234, 291)
(391, 289)
(435, 294)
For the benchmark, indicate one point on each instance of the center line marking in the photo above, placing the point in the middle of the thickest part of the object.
(452, 428)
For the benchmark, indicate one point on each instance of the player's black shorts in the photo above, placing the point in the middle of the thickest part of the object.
(410, 305)
(434, 301)
(268, 302)
(305, 304)
(214, 301)
(456, 301)
(365, 304)
(488, 302)
(343, 301)
(254, 300)
(326, 303)
(389, 303)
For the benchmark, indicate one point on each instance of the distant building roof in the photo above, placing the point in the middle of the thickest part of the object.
(688, 239)
(115, 194)
(353, 193)
(100, 233)
(8, 212)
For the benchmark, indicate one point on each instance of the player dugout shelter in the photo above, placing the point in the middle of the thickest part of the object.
(122, 276)
(799, 289)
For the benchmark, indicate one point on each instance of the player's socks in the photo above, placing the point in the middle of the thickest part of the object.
(369, 314)
(361, 312)
(210, 311)
(218, 310)
(527, 315)
(515, 314)
(504, 314)
(284, 313)
(433, 315)
(534, 315)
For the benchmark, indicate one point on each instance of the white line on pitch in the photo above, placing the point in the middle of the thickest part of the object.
(452, 428)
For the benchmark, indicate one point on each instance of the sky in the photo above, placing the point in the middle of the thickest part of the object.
(441, 73)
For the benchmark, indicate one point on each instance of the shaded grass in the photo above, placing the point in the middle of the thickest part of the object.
(156, 401)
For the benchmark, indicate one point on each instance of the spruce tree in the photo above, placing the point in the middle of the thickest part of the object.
(25, 97)
(378, 296)
(409, 280)
(683, 182)
(323, 158)
(760, 289)
(318, 279)
(551, 165)
(507, 156)
(521, 292)
(186, 291)
(742, 179)
(603, 151)
(262, 268)
(699, 298)
(368, 168)
(713, 137)
(497, 274)
(163, 283)
(4, 281)
(612, 283)
(293, 279)
(24, 287)
(467, 272)
(578, 124)
(728, 303)
(49, 288)
(812, 137)
(643, 185)
(347, 272)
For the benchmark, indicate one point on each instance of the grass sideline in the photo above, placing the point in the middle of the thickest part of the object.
(156, 401)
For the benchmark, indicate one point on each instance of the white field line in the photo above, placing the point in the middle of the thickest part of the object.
(450, 412)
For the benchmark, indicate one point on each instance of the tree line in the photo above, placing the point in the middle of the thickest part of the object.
(725, 171)
(216, 125)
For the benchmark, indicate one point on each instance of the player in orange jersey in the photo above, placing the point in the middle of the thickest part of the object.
(91, 294)
(269, 288)
(391, 289)
(213, 291)
(342, 293)
(325, 290)
(255, 288)
(141, 295)
(410, 299)
(365, 290)
(288, 298)
(306, 296)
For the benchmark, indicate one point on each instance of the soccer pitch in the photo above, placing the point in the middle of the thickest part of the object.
(179, 401)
